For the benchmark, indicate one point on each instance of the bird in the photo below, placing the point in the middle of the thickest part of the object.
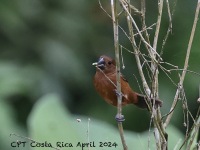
(105, 84)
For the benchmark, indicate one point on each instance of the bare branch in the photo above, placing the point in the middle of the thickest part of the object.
(160, 8)
(185, 65)
(119, 97)
(169, 15)
(170, 25)
(190, 71)
(123, 3)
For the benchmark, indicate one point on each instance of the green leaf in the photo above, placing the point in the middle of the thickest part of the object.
(103, 132)
(8, 126)
(49, 121)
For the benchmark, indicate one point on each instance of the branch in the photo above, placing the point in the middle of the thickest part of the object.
(170, 14)
(194, 131)
(154, 68)
(159, 132)
(185, 65)
(143, 19)
(123, 3)
(136, 51)
(160, 8)
(119, 97)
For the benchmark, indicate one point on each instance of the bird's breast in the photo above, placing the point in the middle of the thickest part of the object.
(106, 88)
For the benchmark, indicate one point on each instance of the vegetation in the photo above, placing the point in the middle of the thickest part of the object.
(47, 51)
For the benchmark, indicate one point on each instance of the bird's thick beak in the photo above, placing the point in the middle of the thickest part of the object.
(100, 64)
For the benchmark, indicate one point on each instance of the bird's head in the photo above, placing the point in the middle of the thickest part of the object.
(106, 64)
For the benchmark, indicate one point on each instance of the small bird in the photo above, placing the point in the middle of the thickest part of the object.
(105, 84)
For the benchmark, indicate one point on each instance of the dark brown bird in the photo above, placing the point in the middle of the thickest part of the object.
(105, 85)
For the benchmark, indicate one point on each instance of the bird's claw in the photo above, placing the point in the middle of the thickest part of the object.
(119, 118)
(118, 93)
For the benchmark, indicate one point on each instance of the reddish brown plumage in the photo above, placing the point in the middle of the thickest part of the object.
(105, 81)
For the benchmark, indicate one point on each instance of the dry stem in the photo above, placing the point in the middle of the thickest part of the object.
(185, 66)
(116, 44)
(159, 130)
(124, 3)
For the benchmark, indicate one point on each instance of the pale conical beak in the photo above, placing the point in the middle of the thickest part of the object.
(101, 63)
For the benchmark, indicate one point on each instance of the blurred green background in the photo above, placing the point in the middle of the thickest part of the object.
(46, 52)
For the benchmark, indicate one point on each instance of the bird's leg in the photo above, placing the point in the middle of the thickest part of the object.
(119, 117)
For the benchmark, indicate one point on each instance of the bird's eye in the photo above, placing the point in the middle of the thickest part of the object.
(109, 62)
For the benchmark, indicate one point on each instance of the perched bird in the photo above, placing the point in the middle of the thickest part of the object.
(105, 85)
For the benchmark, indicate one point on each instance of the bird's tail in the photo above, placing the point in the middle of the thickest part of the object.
(141, 103)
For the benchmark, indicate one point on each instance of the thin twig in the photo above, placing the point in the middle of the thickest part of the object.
(169, 15)
(146, 87)
(112, 19)
(106, 77)
(146, 28)
(161, 142)
(135, 10)
(121, 49)
(123, 3)
(169, 30)
(160, 8)
(166, 73)
(169, 64)
(104, 10)
(190, 71)
(147, 90)
(137, 53)
(143, 20)
(194, 132)
(185, 65)
(192, 128)
(126, 49)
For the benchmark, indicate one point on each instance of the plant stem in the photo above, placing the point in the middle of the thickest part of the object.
(116, 45)
(185, 66)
